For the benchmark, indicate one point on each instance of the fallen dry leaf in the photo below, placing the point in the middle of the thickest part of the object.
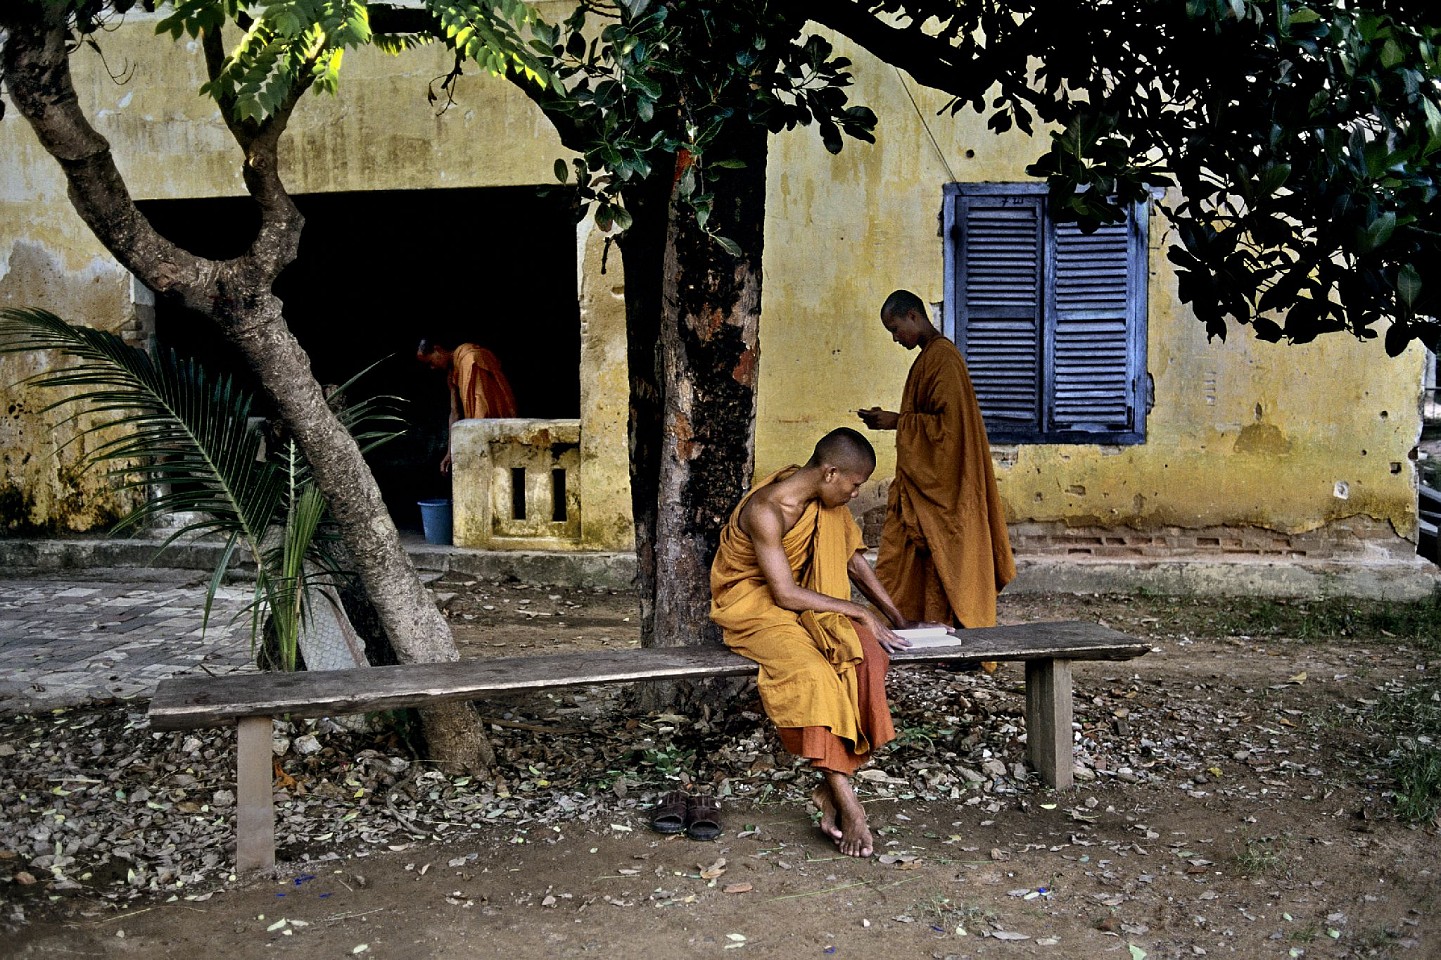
(1009, 935)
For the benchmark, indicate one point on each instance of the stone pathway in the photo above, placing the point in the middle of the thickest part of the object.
(74, 637)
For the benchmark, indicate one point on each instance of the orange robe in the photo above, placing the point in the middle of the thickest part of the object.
(822, 684)
(476, 376)
(944, 551)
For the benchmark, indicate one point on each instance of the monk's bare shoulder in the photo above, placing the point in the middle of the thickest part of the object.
(760, 512)
(769, 513)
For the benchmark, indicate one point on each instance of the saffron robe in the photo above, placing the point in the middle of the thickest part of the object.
(808, 660)
(481, 385)
(944, 552)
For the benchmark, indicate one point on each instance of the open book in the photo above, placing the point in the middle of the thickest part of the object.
(922, 637)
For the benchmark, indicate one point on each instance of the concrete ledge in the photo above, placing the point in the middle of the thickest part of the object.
(1377, 577)
(1395, 578)
(611, 571)
(87, 553)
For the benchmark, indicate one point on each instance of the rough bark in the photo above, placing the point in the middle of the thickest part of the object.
(710, 354)
(237, 295)
(642, 249)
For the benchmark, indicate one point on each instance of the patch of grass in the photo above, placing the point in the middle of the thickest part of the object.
(1377, 942)
(1418, 782)
(1410, 723)
(1333, 618)
(1261, 857)
(949, 916)
(924, 734)
(670, 762)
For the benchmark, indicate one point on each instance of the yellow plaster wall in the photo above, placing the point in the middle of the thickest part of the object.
(1242, 432)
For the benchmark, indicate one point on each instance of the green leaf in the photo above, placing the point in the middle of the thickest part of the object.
(1398, 335)
(728, 245)
(1274, 177)
(562, 171)
(1377, 232)
(1408, 285)
(1433, 126)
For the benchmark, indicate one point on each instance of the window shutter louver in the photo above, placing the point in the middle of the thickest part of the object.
(1000, 315)
(1091, 288)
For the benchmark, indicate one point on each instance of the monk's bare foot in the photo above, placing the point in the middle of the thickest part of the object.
(821, 797)
(855, 839)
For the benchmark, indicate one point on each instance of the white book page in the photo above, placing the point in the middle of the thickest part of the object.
(922, 637)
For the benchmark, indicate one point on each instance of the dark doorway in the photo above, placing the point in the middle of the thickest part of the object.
(379, 270)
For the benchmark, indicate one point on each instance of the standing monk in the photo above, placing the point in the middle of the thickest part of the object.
(478, 387)
(944, 550)
(780, 591)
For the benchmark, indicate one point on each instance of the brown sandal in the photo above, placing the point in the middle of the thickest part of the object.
(669, 815)
(702, 818)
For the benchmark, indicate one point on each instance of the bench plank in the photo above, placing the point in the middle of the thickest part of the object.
(190, 702)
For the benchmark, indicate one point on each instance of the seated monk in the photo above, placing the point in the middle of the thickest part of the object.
(780, 590)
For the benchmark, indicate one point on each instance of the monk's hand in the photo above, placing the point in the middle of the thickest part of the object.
(878, 419)
(445, 463)
(890, 640)
(885, 636)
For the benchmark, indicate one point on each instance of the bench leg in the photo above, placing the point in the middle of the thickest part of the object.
(1048, 720)
(255, 813)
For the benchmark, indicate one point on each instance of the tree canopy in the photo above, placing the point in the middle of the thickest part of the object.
(1304, 139)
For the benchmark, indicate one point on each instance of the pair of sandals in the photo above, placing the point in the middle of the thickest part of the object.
(679, 812)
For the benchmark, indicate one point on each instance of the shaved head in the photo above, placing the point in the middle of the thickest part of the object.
(846, 449)
(901, 302)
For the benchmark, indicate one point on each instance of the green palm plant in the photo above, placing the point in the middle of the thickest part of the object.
(165, 425)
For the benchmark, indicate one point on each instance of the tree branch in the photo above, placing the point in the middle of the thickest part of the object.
(277, 242)
(36, 66)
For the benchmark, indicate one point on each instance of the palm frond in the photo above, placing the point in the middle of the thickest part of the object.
(373, 421)
(177, 428)
(188, 440)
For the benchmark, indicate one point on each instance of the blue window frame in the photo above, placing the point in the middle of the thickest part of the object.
(1052, 321)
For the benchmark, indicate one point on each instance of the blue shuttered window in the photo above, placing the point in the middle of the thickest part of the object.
(1052, 321)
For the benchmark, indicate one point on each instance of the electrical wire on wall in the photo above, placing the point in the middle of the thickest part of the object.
(916, 107)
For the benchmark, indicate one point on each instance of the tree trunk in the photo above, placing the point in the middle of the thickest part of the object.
(710, 356)
(237, 294)
(642, 249)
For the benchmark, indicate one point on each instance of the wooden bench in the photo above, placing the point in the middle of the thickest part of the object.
(251, 700)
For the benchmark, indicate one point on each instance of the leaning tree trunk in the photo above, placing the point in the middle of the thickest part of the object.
(710, 354)
(237, 295)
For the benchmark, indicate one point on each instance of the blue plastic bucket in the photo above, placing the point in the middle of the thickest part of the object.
(435, 521)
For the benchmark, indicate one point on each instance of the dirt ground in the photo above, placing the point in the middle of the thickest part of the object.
(1232, 805)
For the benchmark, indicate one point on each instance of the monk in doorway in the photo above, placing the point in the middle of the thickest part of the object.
(780, 591)
(478, 387)
(945, 553)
